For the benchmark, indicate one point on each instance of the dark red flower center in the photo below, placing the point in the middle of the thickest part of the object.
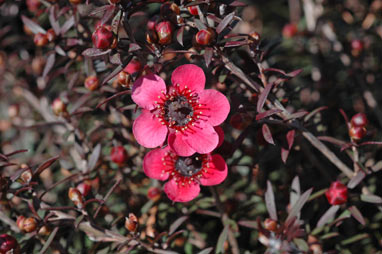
(189, 166)
(179, 109)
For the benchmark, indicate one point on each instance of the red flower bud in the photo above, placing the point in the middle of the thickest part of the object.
(118, 155)
(75, 2)
(51, 35)
(33, 5)
(357, 45)
(84, 188)
(58, 107)
(337, 194)
(124, 79)
(103, 37)
(289, 30)
(153, 193)
(357, 132)
(40, 39)
(76, 197)
(131, 223)
(164, 32)
(20, 222)
(359, 120)
(133, 66)
(29, 225)
(8, 244)
(205, 37)
(270, 225)
(193, 10)
(91, 83)
(26, 176)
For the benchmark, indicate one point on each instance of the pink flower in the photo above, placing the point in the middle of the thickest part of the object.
(184, 174)
(184, 111)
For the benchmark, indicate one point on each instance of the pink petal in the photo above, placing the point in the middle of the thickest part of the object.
(214, 105)
(148, 131)
(146, 90)
(153, 164)
(179, 193)
(216, 173)
(202, 137)
(133, 66)
(177, 144)
(189, 75)
(220, 132)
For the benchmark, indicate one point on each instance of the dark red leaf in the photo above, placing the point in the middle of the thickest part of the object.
(290, 138)
(175, 225)
(357, 215)
(238, 4)
(16, 152)
(112, 97)
(248, 223)
(267, 113)
(267, 134)
(67, 25)
(49, 64)
(214, 18)
(114, 73)
(227, 19)
(199, 24)
(94, 157)
(284, 154)
(45, 165)
(99, 10)
(371, 143)
(134, 47)
(231, 44)
(298, 205)
(355, 180)
(53, 19)
(208, 53)
(294, 73)
(34, 27)
(328, 216)
(270, 202)
(179, 35)
(345, 116)
(108, 14)
(311, 114)
(297, 115)
(263, 96)
(93, 52)
(332, 140)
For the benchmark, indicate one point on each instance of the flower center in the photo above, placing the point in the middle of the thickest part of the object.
(189, 166)
(178, 111)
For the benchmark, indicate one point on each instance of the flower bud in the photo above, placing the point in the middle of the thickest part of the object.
(26, 176)
(193, 10)
(151, 37)
(170, 11)
(8, 244)
(76, 197)
(91, 83)
(13, 110)
(289, 30)
(205, 37)
(20, 222)
(359, 120)
(38, 64)
(151, 23)
(131, 223)
(153, 193)
(29, 225)
(84, 188)
(270, 225)
(357, 45)
(51, 35)
(133, 66)
(337, 194)
(44, 231)
(124, 79)
(58, 107)
(33, 5)
(118, 155)
(164, 32)
(255, 37)
(75, 2)
(103, 37)
(40, 39)
(356, 132)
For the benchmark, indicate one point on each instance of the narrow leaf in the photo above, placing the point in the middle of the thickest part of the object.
(49, 64)
(231, 44)
(357, 215)
(355, 180)
(311, 114)
(295, 192)
(290, 138)
(67, 25)
(267, 134)
(179, 35)
(270, 202)
(53, 19)
(49, 241)
(199, 24)
(248, 223)
(174, 226)
(227, 19)
(328, 216)
(112, 74)
(299, 204)
(108, 14)
(370, 198)
(45, 165)
(206, 251)
(267, 113)
(94, 157)
(208, 52)
(93, 52)
(16, 152)
(284, 154)
(222, 239)
(34, 27)
(263, 96)
(112, 97)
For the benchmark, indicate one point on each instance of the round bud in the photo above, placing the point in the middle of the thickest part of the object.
(33, 5)
(337, 193)
(131, 223)
(30, 224)
(193, 10)
(151, 23)
(133, 66)
(124, 79)
(357, 132)
(44, 231)
(26, 176)
(270, 225)
(75, 2)
(254, 37)
(8, 244)
(40, 39)
(154, 193)
(119, 155)
(290, 30)
(164, 32)
(91, 83)
(359, 120)
(20, 222)
(51, 35)
(205, 37)
(84, 188)
(102, 37)
(76, 197)
(58, 107)
(357, 45)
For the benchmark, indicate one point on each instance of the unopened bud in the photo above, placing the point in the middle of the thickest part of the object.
(205, 37)
(131, 223)
(30, 224)
(124, 79)
(51, 35)
(44, 231)
(26, 176)
(20, 222)
(164, 32)
(270, 225)
(58, 107)
(76, 197)
(91, 83)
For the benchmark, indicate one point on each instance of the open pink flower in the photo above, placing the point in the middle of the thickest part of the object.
(184, 174)
(184, 111)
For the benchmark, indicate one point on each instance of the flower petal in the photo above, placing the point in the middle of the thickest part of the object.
(177, 144)
(216, 173)
(220, 132)
(153, 164)
(202, 137)
(189, 75)
(214, 105)
(148, 131)
(179, 193)
(146, 90)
